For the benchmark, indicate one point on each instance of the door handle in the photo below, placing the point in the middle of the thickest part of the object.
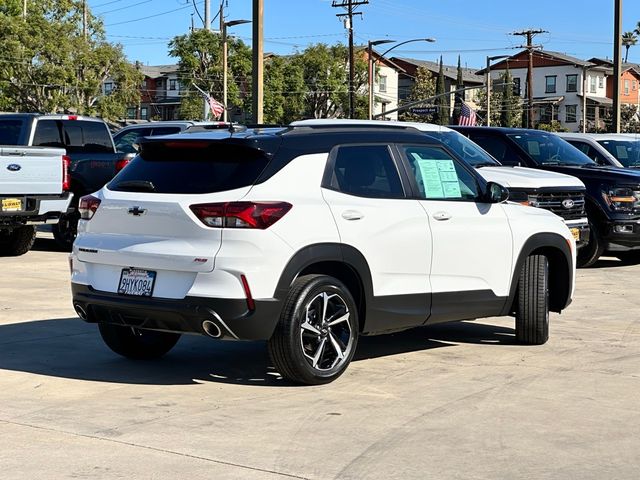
(352, 215)
(441, 216)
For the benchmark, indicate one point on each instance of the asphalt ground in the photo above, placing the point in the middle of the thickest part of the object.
(455, 401)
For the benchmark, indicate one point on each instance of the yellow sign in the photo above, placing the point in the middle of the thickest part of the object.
(11, 204)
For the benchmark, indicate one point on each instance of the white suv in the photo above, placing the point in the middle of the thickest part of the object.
(309, 237)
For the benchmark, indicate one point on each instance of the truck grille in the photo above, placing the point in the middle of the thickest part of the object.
(568, 205)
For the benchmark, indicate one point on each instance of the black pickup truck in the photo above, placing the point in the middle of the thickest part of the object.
(612, 197)
(89, 146)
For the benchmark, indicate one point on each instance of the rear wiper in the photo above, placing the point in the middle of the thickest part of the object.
(135, 186)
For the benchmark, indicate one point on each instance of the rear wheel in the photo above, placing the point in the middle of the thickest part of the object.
(591, 252)
(532, 314)
(137, 343)
(317, 334)
(17, 242)
(65, 231)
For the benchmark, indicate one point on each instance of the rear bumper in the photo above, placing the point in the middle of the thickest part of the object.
(37, 209)
(231, 316)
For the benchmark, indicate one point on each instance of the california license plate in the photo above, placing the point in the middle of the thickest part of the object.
(136, 282)
(11, 204)
(576, 233)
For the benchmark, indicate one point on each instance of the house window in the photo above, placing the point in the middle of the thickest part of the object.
(144, 113)
(131, 112)
(172, 84)
(572, 83)
(600, 82)
(570, 114)
(516, 86)
(592, 84)
(382, 83)
(108, 88)
(551, 84)
(627, 85)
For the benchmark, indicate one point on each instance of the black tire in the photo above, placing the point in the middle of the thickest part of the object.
(307, 357)
(137, 344)
(66, 230)
(591, 252)
(629, 258)
(532, 314)
(18, 242)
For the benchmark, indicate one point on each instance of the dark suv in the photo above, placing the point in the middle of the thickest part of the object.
(613, 194)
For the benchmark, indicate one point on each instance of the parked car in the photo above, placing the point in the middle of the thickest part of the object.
(308, 237)
(616, 150)
(128, 138)
(559, 193)
(613, 194)
(93, 159)
(34, 189)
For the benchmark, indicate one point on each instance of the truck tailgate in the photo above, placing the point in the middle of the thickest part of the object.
(31, 170)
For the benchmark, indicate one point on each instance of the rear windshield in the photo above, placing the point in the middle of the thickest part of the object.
(549, 149)
(10, 131)
(178, 168)
(76, 136)
(626, 151)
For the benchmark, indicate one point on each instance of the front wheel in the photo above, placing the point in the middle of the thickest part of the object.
(591, 252)
(135, 343)
(317, 334)
(532, 313)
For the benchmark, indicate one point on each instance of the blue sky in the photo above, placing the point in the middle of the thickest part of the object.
(471, 28)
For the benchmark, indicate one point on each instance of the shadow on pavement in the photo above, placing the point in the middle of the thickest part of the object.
(47, 245)
(70, 348)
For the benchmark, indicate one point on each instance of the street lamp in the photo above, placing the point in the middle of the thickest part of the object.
(226, 25)
(372, 63)
(489, 60)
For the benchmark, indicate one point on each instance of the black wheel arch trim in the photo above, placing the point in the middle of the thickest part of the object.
(536, 242)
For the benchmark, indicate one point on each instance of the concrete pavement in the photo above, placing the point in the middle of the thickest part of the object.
(456, 401)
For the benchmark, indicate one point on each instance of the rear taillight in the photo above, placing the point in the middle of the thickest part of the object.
(123, 162)
(88, 206)
(259, 215)
(66, 180)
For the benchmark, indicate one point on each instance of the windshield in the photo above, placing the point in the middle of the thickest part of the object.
(465, 148)
(627, 152)
(549, 149)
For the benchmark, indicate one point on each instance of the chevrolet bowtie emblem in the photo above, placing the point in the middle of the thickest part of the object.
(137, 211)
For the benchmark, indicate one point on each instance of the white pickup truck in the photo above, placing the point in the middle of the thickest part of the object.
(34, 189)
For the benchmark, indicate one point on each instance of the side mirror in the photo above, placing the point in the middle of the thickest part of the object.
(496, 193)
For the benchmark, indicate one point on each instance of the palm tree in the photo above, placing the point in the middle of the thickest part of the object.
(629, 39)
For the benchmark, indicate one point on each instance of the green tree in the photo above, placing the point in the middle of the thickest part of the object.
(629, 39)
(424, 87)
(510, 107)
(199, 55)
(496, 106)
(284, 91)
(458, 96)
(442, 101)
(53, 67)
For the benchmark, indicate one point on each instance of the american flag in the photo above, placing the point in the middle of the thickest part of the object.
(467, 116)
(215, 106)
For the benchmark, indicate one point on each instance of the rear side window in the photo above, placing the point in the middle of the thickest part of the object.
(191, 168)
(498, 148)
(366, 171)
(125, 141)
(10, 131)
(74, 135)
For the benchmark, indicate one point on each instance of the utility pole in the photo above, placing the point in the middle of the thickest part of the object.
(350, 6)
(24, 8)
(257, 97)
(617, 65)
(207, 14)
(84, 18)
(530, 48)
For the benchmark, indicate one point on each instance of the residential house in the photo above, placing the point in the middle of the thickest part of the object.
(561, 85)
(409, 70)
(385, 87)
(629, 82)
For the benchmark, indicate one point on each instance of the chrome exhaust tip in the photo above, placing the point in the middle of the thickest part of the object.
(211, 329)
(82, 313)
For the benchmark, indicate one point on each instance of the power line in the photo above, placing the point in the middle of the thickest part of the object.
(149, 16)
(530, 34)
(124, 8)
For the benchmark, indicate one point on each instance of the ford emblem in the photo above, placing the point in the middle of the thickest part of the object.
(13, 167)
(568, 203)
